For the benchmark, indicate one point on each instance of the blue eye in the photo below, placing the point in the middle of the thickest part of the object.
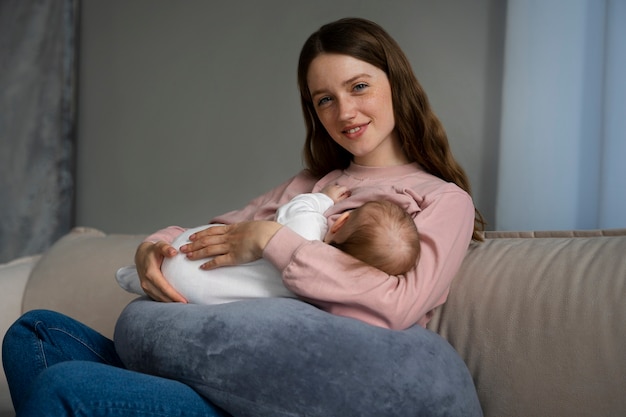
(360, 86)
(323, 101)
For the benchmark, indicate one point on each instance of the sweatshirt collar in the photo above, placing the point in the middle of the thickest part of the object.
(367, 172)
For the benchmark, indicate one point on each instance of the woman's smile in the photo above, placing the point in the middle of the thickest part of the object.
(354, 132)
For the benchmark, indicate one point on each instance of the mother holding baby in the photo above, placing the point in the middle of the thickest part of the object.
(370, 128)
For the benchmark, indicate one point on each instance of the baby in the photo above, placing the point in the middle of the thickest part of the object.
(379, 233)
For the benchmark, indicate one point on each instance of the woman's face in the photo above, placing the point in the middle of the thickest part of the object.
(353, 101)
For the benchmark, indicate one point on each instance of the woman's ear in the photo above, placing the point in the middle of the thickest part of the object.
(340, 222)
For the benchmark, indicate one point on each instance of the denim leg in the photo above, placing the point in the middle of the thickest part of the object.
(82, 388)
(54, 363)
(40, 339)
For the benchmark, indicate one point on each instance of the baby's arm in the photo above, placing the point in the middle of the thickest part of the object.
(304, 214)
(336, 192)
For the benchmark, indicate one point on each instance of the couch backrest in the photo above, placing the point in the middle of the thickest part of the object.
(540, 320)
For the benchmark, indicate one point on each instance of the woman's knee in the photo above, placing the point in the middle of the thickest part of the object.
(27, 323)
(20, 338)
(55, 337)
(33, 323)
(39, 315)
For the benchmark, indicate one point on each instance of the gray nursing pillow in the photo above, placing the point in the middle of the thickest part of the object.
(282, 357)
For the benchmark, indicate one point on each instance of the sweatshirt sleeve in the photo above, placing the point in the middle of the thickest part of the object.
(339, 284)
(166, 235)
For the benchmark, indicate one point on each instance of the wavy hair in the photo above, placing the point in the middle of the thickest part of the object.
(421, 133)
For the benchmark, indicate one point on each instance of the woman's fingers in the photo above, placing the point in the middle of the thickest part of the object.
(209, 232)
(209, 251)
(218, 261)
(160, 290)
(204, 239)
(232, 244)
(165, 249)
(148, 259)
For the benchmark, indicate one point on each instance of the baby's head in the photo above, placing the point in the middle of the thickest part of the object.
(379, 233)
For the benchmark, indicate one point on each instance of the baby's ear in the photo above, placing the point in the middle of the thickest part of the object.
(340, 222)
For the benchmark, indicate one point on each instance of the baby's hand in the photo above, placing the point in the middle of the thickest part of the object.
(336, 192)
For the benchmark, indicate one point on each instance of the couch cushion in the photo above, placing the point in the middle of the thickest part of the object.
(539, 318)
(76, 276)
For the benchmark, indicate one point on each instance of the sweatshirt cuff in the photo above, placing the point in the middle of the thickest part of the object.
(282, 246)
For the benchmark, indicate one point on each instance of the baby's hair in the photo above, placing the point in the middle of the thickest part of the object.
(383, 235)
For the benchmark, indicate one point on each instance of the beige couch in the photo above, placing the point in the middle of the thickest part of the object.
(540, 318)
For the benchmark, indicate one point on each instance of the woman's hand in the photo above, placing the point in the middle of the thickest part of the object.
(232, 244)
(148, 259)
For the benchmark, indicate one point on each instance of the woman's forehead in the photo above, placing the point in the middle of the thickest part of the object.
(334, 70)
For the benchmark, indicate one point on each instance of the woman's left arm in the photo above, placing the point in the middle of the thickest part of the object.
(339, 284)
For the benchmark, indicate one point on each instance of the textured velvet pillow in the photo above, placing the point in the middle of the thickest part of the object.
(283, 357)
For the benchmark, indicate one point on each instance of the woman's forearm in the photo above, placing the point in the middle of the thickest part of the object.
(231, 244)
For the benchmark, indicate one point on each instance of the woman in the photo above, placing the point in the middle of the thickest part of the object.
(370, 128)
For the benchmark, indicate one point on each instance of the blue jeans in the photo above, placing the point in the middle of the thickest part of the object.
(58, 367)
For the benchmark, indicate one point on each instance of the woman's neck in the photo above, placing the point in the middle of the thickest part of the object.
(384, 156)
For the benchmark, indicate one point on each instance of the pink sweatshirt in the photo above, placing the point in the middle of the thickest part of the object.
(328, 278)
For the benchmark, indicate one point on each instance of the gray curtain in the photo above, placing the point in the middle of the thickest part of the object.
(38, 40)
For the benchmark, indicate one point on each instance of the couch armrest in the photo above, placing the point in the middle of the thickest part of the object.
(13, 278)
(76, 276)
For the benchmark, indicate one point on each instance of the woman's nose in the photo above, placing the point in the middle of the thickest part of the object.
(347, 108)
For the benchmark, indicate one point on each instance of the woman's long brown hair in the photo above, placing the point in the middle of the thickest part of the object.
(421, 134)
